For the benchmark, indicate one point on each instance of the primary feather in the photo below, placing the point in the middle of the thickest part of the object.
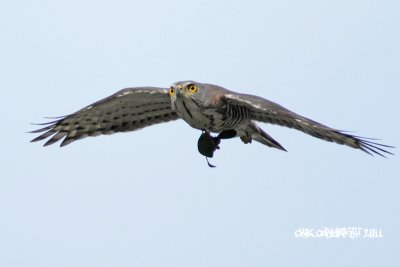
(127, 110)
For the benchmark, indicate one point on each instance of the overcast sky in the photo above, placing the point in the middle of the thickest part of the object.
(147, 198)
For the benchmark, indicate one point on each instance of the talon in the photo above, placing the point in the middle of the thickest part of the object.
(247, 139)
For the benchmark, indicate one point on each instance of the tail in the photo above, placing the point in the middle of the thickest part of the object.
(262, 137)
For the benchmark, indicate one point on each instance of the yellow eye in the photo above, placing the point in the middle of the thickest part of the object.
(171, 91)
(192, 88)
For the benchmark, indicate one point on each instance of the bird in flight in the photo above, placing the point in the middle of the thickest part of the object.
(206, 107)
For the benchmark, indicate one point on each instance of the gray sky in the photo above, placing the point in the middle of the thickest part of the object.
(147, 198)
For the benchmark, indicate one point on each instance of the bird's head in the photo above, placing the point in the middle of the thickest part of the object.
(199, 95)
(186, 91)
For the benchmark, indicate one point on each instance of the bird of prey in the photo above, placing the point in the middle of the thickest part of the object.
(206, 107)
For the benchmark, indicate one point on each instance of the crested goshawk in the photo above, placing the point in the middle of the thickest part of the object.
(209, 108)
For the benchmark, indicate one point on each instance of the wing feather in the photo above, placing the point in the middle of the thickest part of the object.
(129, 109)
(267, 111)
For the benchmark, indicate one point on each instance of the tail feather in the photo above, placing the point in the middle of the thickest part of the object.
(262, 137)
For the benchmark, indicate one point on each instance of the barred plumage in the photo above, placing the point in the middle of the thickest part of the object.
(127, 110)
(235, 116)
(207, 107)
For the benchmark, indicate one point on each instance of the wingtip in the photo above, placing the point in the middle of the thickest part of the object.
(373, 148)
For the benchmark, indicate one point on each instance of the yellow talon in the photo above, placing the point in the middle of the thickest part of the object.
(247, 139)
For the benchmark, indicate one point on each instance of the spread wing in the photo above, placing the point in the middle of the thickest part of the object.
(127, 110)
(269, 112)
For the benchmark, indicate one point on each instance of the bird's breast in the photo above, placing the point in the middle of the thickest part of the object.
(199, 118)
(213, 119)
